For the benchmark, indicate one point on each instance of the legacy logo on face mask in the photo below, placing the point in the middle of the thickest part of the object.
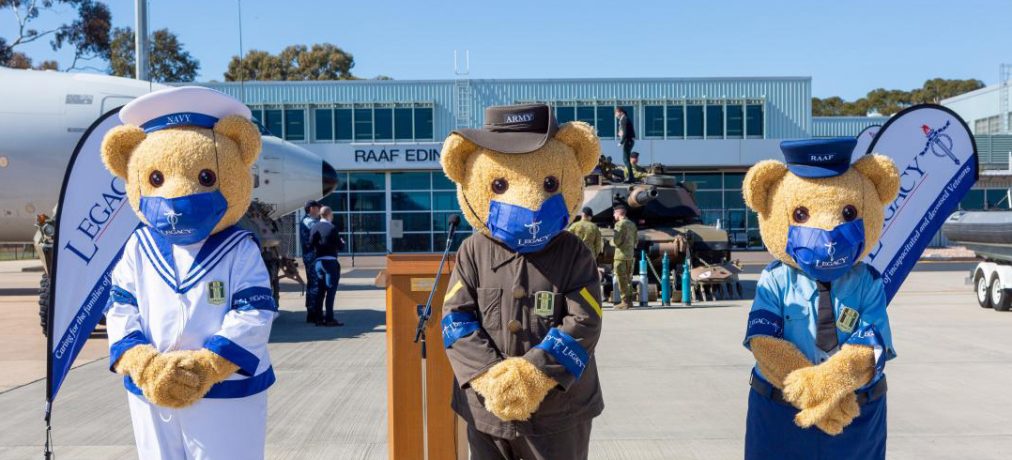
(523, 230)
(826, 254)
(185, 219)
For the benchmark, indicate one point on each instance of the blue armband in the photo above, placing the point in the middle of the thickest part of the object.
(764, 322)
(120, 295)
(458, 324)
(256, 297)
(566, 351)
(868, 336)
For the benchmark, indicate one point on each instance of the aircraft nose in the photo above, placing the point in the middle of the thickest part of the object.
(328, 178)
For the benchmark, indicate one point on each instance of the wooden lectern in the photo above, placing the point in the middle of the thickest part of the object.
(408, 280)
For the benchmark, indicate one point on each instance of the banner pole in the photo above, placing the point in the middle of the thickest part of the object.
(48, 449)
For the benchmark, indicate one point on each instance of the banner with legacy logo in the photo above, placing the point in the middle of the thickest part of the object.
(93, 222)
(937, 160)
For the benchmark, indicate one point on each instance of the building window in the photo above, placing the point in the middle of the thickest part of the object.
(363, 124)
(714, 120)
(694, 121)
(383, 120)
(653, 121)
(273, 122)
(403, 124)
(735, 121)
(586, 115)
(324, 124)
(676, 121)
(565, 114)
(295, 125)
(343, 124)
(606, 121)
(754, 121)
(423, 123)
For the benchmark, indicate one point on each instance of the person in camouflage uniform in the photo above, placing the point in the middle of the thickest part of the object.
(588, 232)
(625, 253)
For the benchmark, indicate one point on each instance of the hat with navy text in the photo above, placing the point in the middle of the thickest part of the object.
(183, 106)
(815, 158)
(514, 128)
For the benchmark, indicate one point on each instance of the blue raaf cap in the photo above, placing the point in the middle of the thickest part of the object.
(816, 158)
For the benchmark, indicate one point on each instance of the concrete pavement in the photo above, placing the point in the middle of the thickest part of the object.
(674, 379)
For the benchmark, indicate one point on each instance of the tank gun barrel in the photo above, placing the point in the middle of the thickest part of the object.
(640, 195)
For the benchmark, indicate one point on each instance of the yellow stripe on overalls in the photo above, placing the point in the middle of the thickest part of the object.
(453, 291)
(591, 300)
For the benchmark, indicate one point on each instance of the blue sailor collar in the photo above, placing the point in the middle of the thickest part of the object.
(159, 252)
(841, 287)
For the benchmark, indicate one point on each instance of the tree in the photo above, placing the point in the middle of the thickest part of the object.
(889, 101)
(322, 61)
(89, 33)
(167, 60)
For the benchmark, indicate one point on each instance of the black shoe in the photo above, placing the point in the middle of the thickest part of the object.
(331, 323)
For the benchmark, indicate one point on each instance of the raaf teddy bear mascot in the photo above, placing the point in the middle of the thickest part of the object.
(818, 326)
(522, 313)
(191, 307)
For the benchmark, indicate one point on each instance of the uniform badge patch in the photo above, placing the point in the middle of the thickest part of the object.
(216, 292)
(848, 319)
(544, 304)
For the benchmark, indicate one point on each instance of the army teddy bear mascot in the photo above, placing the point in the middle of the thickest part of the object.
(191, 306)
(522, 313)
(818, 326)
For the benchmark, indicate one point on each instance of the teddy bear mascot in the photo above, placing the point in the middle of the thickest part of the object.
(522, 313)
(191, 306)
(818, 326)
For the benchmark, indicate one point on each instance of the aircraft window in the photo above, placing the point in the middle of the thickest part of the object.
(261, 128)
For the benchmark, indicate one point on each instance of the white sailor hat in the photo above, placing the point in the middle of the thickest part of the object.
(182, 106)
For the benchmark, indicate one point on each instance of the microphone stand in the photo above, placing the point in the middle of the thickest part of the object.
(424, 313)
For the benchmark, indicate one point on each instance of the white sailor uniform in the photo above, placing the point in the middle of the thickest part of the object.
(213, 294)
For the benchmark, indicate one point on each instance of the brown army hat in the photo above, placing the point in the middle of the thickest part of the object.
(520, 128)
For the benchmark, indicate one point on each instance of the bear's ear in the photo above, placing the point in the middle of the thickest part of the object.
(883, 173)
(580, 136)
(117, 146)
(758, 181)
(244, 133)
(456, 149)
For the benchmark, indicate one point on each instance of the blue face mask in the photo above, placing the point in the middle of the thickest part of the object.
(186, 219)
(523, 230)
(826, 254)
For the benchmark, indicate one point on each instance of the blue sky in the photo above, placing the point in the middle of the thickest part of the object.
(848, 48)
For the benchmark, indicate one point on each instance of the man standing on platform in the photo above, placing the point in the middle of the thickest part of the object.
(625, 253)
(312, 210)
(327, 242)
(588, 232)
(626, 140)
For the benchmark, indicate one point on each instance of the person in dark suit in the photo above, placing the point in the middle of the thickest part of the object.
(326, 241)
(626, 139)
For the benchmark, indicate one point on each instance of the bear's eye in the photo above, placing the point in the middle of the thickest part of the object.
(500, 185)
(156, 179)
(849, 213)
(801, 214)
(551, 184)
(207, 177)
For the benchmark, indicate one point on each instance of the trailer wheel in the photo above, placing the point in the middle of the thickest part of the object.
(44, 302)
(981, 286)
(1000, 298)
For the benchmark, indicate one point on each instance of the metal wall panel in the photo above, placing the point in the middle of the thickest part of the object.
(843, 126)
(787, 99)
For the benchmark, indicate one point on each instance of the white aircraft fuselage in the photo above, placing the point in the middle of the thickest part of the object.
(43, 115)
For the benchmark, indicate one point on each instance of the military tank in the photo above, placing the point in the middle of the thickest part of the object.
(669, 220)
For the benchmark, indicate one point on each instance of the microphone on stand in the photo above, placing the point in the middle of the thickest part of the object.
(424, 312)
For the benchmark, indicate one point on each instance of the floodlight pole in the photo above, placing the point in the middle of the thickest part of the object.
(141, 40)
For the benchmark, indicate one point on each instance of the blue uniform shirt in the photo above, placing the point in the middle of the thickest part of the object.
(307, 224)
(786, 306)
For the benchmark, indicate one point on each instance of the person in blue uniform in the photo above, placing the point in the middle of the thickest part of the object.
(311, 218)
(818, 325)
